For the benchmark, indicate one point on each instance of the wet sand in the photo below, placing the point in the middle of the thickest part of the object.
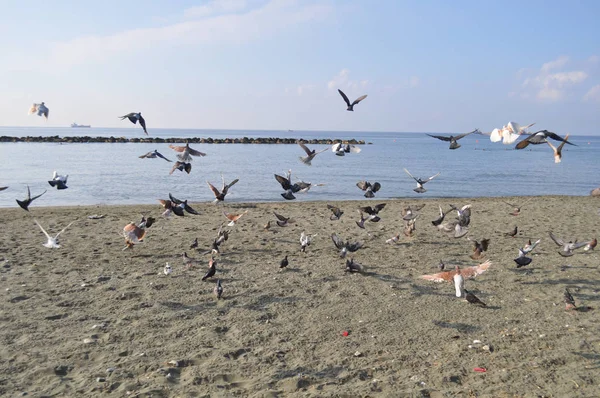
(90, 319)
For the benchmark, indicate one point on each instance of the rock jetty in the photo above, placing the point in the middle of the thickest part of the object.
(191, 140)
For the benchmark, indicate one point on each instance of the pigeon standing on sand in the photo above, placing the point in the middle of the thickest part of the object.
(24, 204)
(167, 270)
(304, 241)
(135, 117)
(58, 181)
(218, 290)
(453, 139)
(212, 269)
(52, 242)
(512, 233)
(471, 298)
(347, 101)
(353, 266)
(284, 263)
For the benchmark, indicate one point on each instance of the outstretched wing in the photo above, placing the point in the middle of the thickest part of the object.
(432, 177)
(177, 148)
(344, 97)
(337, 241)
(147, 155)
(285, 184)
(408, 172)
(522, 144)
(556, 137)
(143, 124)
(160, 155)
(356, 101)
(63, 230)
(194, 152)
(440, 137)
(308, 151)
(214, 190)
(43, 230)
(557, 240)
(458, 137)
(35, 197)
(174, 200)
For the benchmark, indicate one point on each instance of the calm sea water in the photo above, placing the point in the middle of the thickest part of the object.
(113, 174)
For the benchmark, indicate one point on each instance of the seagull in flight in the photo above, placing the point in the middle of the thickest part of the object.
(154, 154)
(453, 138)
(134, 118)
(40, 109)
(310, 154)
(420, 182)
(58, 181)
(351, 105)
(52, 241)
(509, 133)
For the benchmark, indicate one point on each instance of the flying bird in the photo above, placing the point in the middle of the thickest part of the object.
(467, 273)
(347, 101)
(181, 166)
(154, 154)
(345, 247)
(453, 139)
(233, 218)
(310, 154)
(342, 149)
(218, 290)
(170, 208)
(3, 188)
(220, 195)
(287, 185)
(567, 248)
(471, 298)
(133, 235)
(509, 133)
(522, 260)
(40, 110)
(516, 208)
(58, 181)
(134, 117)
(27, 201)
(283, 221)
(52, 242)
(182, 204)
(337, 213)
(479, 248)
(186, 152)
(558, 150)
(369, 188)
(540, 137)
(421, 182)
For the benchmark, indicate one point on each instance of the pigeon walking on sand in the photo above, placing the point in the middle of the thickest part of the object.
(347, 101)
(472, 299)
(212, 269)
(218, 290)
(284, 262)
(135, 117)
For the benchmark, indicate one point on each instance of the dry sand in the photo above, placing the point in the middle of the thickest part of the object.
(89, 319)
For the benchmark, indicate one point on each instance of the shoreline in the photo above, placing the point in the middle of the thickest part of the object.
(191, 140)
(89, 319)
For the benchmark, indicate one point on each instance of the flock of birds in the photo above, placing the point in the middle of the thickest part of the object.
(135, 232)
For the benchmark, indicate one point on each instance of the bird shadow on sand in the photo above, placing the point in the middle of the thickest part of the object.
(308, 373)
(460, 327)
(590, 357)
(263, 301)
(177, 306)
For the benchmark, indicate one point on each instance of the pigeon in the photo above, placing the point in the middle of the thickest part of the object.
(194, 244)
(284, 263)
(185, 152)
(40, 110)
(528, 247)
(558, 150)
(170, 208)
(566, 247)
(516, 208)
(591, 245)
(304, 241)
(24, 204)
(467, 273)
(540, 137)
(212, 264)
(569, 301)
(342, 149)
(410, 226)
(220, 195)
(286, 182)
(453, 139)
(337, 213)
(181, 166)
(471, 298)
(522, 260)
(509, 133)
(347, 101)
(372, 211)
(146, 222)
(310, 155)
(154, 154)
(283, 221)
(353, 266)
(459, 227)
(52, 241)
(512, 233)
(133, 235)
(438, 221)
(3, 188)
(134, 118)
(233, 217)
(183, 205)
(58, 181)
(420, 182)
(167, 270)
(459, 282)
(410, 213)
(218, 290)
(345, 247)
(361, 222)
(288, 195)
(479, 248)
(441, 265)
(369, 188)
(306, 186)
(393, 239)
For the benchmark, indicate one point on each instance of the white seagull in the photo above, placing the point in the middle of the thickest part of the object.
(52, 242)
(58, 181)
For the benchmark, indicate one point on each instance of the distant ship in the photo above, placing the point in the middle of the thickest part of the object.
(74, 125)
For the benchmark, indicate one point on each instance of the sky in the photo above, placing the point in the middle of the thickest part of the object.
(426, 66)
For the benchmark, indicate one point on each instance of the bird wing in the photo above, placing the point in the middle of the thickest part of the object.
(63, 230)
(176, 166)
(190, 210)
(285, 183)
(194, 152)
(556, 137)
(356, 101)
(553, 147)
(344, 97)
(458, 137)
(496, 135)
(336, 147)
(432, 177)
(33, 109)
(280, 217)
(308, 151)
(440, 137)
(322, 150)
(35, 197)
(355, 149)
(379, 207)
(408, 172)
(146, 155)
(143, 124)
(43, 230)
(471, 272)
(175, 200)
(337, 241)
(177, 148)
(363, 185)
(522, 144)
(557, 240)
(214, 190)
(562, 144)
(232, 183)
(160, 155)
(375, 187)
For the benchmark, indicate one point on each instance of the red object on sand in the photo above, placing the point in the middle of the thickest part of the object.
(480, 370)
(345, 333)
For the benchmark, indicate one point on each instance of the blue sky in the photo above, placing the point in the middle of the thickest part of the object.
(427, 66)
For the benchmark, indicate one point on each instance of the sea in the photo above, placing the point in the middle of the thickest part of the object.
(113, 173)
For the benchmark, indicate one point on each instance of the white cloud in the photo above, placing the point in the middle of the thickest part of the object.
(339, 80)
(215, 7)
(552, 83)
(216, 22)
(593, 94)
(304, 88)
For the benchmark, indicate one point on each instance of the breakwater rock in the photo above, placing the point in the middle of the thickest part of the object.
(191, 140)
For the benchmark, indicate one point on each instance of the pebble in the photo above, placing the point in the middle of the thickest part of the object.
(358, 354)
(100, 379)
(89, 341)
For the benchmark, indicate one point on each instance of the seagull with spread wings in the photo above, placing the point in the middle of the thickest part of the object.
(421, 182)
(52, 241)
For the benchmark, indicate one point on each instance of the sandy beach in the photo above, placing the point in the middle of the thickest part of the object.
(90, 319)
